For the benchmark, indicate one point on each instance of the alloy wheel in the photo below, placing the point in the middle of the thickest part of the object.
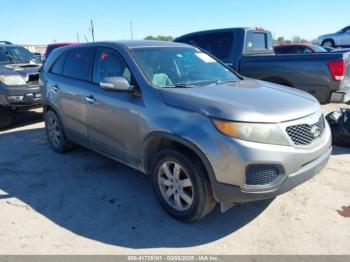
(176, 186)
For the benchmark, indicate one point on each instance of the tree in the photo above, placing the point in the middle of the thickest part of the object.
(160, 37)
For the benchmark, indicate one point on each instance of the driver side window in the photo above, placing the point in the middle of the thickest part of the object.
(110, 64)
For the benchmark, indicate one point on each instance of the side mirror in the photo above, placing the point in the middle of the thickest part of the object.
(116, 84)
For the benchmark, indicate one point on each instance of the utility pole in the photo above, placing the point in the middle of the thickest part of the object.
(78, 39)
(92, 30)
(131, 31)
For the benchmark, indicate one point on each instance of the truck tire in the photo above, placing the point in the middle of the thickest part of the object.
(54, 133)
(5, 117)
(328, 42)
(182, 186)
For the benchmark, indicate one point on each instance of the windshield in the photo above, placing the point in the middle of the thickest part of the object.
(15, 55)
(319, 49)
(172, 67)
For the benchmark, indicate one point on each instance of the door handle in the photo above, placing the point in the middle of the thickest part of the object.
(90, 99)
(54, 88)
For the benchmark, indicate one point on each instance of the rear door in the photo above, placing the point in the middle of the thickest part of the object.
(72, 86)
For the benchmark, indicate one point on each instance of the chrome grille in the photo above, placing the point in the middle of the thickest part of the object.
(258, 175)
(305, 134)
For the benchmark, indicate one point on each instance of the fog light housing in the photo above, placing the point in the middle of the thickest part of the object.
(15, 98)
(260, 175)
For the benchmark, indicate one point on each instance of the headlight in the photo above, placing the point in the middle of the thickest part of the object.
(12, 80)
(261, 133)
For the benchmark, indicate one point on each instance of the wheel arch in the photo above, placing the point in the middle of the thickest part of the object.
(158, 140)
(277, 80)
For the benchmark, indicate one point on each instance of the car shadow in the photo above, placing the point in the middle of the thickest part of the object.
(101, 199)
(25, 117)
(338, 150)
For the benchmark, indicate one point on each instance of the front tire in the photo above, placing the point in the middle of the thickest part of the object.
(182, 186)
(54, 133)
(328, 43)
(5, 117)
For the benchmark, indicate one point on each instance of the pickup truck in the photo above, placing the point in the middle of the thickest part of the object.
(249, 51)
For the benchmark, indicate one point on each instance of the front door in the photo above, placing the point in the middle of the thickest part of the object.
(113, 116)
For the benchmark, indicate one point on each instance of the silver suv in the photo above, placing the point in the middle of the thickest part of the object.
(202, 132)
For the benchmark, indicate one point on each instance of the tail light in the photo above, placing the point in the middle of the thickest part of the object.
(337, 69)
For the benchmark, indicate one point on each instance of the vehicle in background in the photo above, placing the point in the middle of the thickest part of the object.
(328, 48)
(19, 81)
(249, 51)
(51, 47)
(340, 38)
(204, 133)
(299, 49)
(5, 43)
(39, 56)
(340, 50)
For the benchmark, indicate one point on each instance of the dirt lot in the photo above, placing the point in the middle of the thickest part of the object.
(84, 203)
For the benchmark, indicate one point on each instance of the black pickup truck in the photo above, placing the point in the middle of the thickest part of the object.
(249, 51)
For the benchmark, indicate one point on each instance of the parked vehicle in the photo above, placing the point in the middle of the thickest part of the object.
(5, 43)
(204, 133)
(52, 47)
(19, 81)
(340, 38)
(249, 51)
(341, 50)
(39, 56)
(299, 49)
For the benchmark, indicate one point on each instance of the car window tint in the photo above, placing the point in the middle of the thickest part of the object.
(58, 65)
(110, 64)
(218, 44)
(302, 49)
(79, 63)
(259, 41)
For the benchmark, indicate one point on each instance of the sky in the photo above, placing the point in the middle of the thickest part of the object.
(46, 21)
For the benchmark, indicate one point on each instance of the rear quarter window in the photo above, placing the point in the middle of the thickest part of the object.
(218, 44)
(57, 67)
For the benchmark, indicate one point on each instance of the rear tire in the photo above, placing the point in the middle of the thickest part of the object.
(5, 117)
(186, 195)
(55, 135)
(328, 42)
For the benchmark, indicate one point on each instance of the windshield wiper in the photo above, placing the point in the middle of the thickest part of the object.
(220, 82)
(182, 85)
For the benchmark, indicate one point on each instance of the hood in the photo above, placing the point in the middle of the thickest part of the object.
(247, 101)
(19, 69)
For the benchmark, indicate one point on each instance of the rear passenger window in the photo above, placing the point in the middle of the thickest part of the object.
(58, 65)
(79, 63)
(218, 44)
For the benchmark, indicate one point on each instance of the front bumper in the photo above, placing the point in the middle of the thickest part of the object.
(228, 194)
(296, 165)
(21, 97)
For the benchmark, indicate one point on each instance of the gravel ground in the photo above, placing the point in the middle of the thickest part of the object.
(84, 203)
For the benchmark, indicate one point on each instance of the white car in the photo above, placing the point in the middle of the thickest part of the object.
(340, 38)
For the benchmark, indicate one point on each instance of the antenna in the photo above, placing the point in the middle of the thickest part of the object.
(92, 30)
(131, 31)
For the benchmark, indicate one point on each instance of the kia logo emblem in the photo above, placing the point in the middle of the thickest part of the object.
(316, 131)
